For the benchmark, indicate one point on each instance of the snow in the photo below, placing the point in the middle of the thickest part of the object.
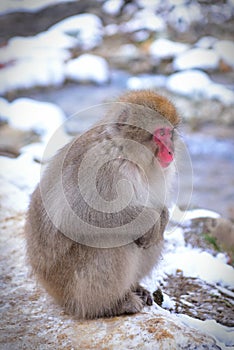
(138, 22)
(28, 74)
(206, 42)
(194, 262)
(111, 29)
(22, 172)
(197, 84)
(183, 15)
(220, 93)
(112, 7)
(190, 82)
(200, 264)
(86, 27)
(45, 119)
(168, 303)
(224, 335)
(225, 50)
(197, 58)
(128, 50)
(146, 82)
(41, 117)
(35, 150)
(164, 48)
(27, 5)
(15, 200)
(181, 216)
(141, 35)
(35, 61)
(51, 44)
(4, 106)
(39, 60)
(88, 67)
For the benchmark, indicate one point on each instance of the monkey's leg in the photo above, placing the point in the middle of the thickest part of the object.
(155, 234)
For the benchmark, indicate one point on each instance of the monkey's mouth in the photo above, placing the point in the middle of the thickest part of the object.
(163, 154)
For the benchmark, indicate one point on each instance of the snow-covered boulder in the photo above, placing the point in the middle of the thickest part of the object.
(89, 68)
(188, 83)
(206, 42)
(146, 82)
(35, 61)
(27, 73)
(164, 48)
(197, 58)
(49, 44)
(112, 7)
(86, 27)
(225, 50)
(197, 84)
(144, 19)
(28, 114)
(183, 14)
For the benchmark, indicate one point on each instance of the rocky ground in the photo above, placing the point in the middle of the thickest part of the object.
(31, 320)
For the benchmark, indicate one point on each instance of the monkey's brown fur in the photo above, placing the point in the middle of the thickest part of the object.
(156, 102)
(92, 282)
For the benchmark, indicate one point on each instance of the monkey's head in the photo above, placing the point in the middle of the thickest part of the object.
(150, 119)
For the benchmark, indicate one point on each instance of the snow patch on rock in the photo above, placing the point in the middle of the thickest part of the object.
(88, 67)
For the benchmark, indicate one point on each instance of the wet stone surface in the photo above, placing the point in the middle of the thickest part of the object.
(199, 299)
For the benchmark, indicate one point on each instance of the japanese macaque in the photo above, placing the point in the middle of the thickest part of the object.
(95, 223)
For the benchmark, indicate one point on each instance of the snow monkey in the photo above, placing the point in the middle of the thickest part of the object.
(95, 222)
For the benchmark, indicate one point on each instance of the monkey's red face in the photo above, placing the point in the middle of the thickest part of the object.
(165, 149)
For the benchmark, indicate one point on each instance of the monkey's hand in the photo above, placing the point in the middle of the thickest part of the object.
(155, 234)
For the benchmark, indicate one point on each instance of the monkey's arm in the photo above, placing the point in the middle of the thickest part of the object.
(155, 234)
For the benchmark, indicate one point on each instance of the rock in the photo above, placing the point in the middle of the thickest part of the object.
(27, 73)
(154, 22)
(188, 83)
(88, 68)
(30, 115)
(223, 231)
(86, 27)
(206, 42)
(196, 84)
(146, 82)
(182, 15)
(225, 49)
(13, 139)
(30, 318)
(113, 7)
(164, 48)
(197, 58)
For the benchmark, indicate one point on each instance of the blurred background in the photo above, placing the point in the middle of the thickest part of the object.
(60, 57)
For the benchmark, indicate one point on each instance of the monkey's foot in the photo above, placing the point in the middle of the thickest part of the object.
(130, 304)
(144, 294)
